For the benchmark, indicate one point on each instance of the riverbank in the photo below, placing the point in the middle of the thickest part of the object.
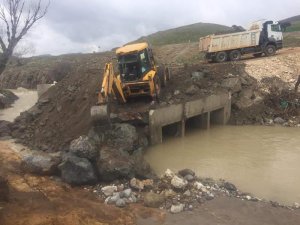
(52, 201)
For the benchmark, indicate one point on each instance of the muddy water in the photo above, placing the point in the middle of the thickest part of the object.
(264, 161)
(27, 98)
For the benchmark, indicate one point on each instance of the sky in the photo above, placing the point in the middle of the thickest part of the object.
(73, 26)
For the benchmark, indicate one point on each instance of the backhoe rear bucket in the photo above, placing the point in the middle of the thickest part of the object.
(100, 114)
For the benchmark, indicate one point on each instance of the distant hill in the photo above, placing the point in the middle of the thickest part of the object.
(184, 34)
(295, 23)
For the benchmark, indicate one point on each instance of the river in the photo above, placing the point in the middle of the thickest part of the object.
(27, 98)
(264, 161)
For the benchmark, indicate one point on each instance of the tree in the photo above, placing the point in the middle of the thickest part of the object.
(16, 19)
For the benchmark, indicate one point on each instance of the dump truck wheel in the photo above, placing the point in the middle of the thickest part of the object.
(270, 50)
(221, 57)
(235, 55)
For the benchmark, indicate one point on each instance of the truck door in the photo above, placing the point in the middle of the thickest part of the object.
(275, 33)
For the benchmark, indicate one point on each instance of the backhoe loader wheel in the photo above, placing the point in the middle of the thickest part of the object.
(157, 87)
(162, 75)
(168, 73)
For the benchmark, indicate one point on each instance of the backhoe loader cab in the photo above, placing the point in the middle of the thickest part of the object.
(134, 61)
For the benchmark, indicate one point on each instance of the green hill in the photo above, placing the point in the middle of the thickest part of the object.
(184, 34)
(295, 23)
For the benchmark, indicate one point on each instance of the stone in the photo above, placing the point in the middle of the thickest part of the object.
(120, 203)
(198, 185)
(189, 177)
(279, 120)
(178, 182)
(113, 199)
(5, 128)
(40, 163)
(109, 190)
(209, 196)
(192, 90)
(4, 190)
(177, 208)
(153, 200)
(229, 186)
(248, 197)
(187, 193)
(124, 136)
(176, 92)
(136, 184)
(132, 199)
(148, 183)
(75, 170)
(126, 193)
(6, 98)
(185, 172)
(234, 84)
(169, 193)
(296, 205)
(84, 148)
(169, 173)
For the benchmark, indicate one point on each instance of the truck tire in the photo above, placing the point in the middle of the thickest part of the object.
(235, 55)
(221, 57)
(270, 50)
(157, 88)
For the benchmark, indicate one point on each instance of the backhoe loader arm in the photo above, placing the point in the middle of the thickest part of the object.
(111, 86)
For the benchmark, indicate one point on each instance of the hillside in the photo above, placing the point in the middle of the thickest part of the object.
(184, 34)
(295, 23)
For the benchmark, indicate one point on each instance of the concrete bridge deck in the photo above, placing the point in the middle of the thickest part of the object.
(213, 109)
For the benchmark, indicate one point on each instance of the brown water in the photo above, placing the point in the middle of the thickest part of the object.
(264, 161)
(27, 98)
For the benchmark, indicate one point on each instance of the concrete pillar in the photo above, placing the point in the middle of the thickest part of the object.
(181, 128)
(156, 135)
(205, 120)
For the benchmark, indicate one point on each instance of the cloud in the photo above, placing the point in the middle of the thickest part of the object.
(82, 26)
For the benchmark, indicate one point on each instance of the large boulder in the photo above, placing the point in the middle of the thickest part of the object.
(123, 136)
(114, 164)
(233, 84)
(40, 163)
(76, 170)
(6, 98)
(84, 148)
(5, 128)
(153, 200)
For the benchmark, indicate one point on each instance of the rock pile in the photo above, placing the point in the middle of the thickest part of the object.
(179, 192)
(6, 98)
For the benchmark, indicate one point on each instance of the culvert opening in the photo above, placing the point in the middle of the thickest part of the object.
(171, 130)
(197, 122)
(217, 117)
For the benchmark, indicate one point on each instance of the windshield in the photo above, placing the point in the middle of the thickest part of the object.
(132, 58)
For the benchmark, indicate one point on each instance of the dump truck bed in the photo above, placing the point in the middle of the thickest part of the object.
(225, 42)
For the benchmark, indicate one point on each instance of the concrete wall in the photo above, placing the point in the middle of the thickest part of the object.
(214, 108)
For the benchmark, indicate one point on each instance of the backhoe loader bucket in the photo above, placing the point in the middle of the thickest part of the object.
(100, 114)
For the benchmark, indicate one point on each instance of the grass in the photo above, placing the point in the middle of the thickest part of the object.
(185, 34)
(295, 26)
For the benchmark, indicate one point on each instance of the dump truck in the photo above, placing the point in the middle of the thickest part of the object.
(263, 37)
(138, 75)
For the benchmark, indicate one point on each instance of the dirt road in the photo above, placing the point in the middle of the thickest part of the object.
(37, 200)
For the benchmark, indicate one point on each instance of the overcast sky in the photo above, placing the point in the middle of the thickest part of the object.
(82, 25)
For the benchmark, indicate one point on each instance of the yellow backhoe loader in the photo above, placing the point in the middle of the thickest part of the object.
(138, 75)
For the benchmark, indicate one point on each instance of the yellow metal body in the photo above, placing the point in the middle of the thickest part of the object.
(112, 85)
